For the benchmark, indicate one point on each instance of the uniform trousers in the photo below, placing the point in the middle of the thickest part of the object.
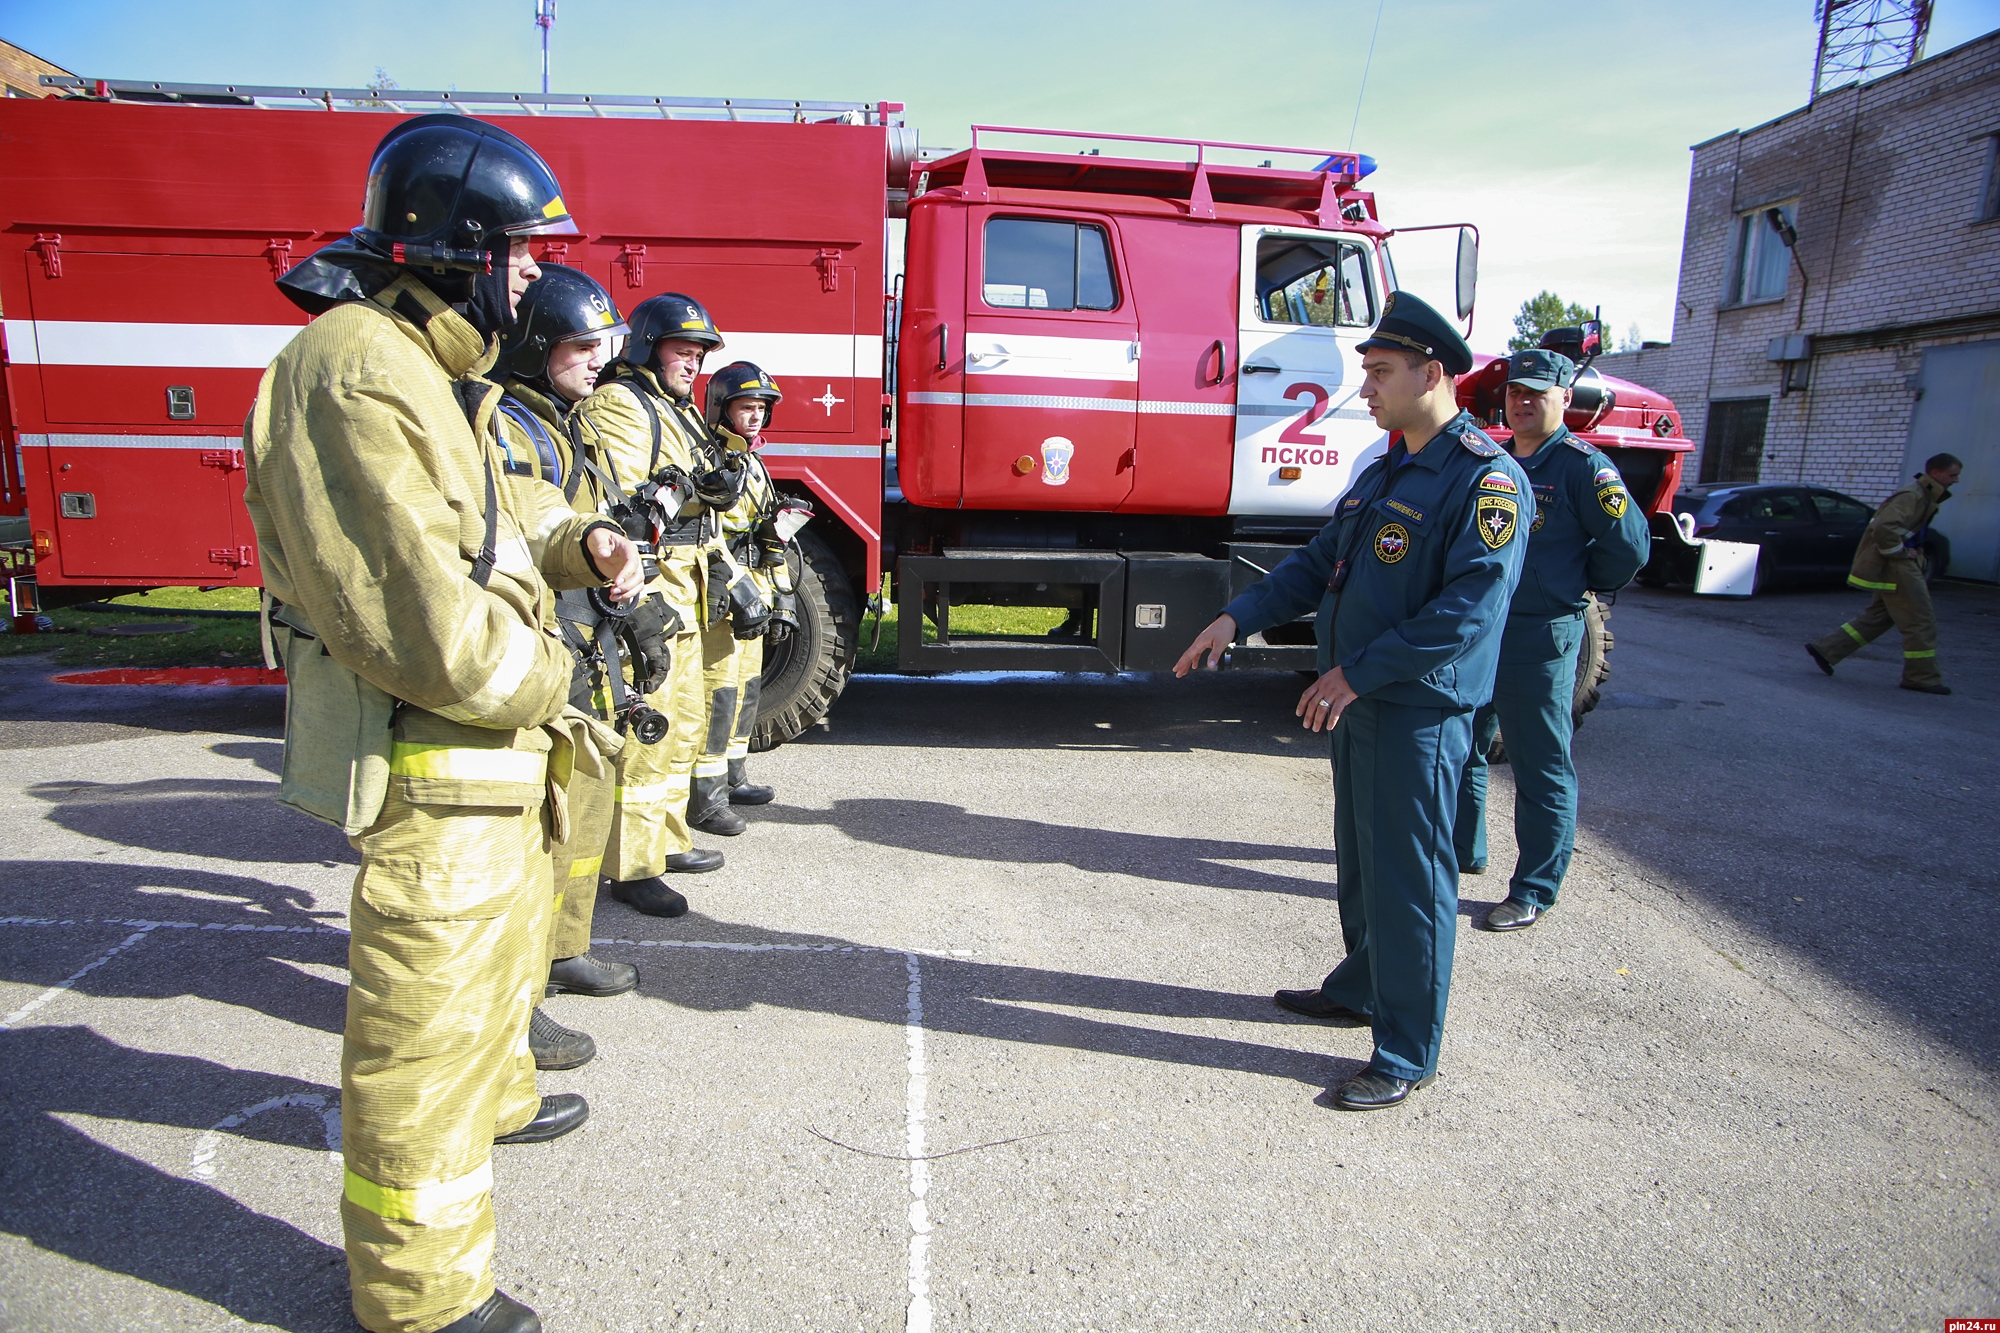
(749, 693)
(1532, 699)
(653, 780)
(445, 962)
(720, 669)
(578, 863)
(1907, 606)
(1395, 783)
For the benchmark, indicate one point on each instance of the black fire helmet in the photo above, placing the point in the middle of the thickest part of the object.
(741, 379)
(444, 191)
(563, 305)
(668, 315)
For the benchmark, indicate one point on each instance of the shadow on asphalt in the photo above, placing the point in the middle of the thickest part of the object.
(962, 995)
(949, 830)
(220, 818)
(258, 976)
(68, 1194)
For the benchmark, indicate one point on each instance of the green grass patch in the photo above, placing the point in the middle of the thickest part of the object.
(967, 622)
(211, 642)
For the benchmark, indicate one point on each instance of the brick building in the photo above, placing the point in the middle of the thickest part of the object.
(1838, 317)
(21, 72)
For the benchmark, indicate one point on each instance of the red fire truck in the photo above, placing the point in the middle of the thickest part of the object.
(1021, 376)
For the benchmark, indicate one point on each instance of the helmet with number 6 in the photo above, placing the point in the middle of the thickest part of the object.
(668, 315)
(563, 305)
(741, 379)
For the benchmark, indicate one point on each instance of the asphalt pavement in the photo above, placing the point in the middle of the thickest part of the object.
(1026, 929)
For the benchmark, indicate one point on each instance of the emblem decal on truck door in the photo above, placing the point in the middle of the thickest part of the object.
(1056, 452)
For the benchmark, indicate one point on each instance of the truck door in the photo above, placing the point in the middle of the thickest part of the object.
(1306, 298)
(147, 364)
(1051, 364)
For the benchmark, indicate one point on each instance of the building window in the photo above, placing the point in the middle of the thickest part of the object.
(1048, 265)
(1733, 445)
(1763, 264)
(1311, 280)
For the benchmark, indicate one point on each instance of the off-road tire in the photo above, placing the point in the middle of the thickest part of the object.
(805, 672)
(1593, 668)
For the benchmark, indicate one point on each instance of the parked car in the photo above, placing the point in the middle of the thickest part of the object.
(1808, 533)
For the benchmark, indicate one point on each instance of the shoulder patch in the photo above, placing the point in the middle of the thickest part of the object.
(1612, 500)
(1499, 481)
(1607, 475)
(1580, 445)
(1477, 443)
(1496, 517)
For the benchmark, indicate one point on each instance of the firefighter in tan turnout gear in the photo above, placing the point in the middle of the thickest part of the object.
(657, 449)
(740, 401)
(427, 712)
(1890, 564)
(563, 336)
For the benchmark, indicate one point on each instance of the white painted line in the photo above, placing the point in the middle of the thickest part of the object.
(202, 1161)
(919, 1317)
(223, 927)
(916, 1099)
(132, 941)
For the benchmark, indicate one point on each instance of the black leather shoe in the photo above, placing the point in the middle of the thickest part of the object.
(1372, 1090)
(557, 1047)
(1476, 868)
(585, 975)
(559, 1114)
(1819, 659)
(650, 896)
(500, 1314)
(1513, 915)
(708, 808)
(742, 791)
(1928, 689)
(1313, 1004)
(694, 861)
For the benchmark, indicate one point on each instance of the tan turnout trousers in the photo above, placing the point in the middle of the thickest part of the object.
(749, 691)
(650, 821)
(449, 906)
(1903, 600)
(577, 864)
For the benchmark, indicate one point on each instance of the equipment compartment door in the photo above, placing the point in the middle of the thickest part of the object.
(1307, 297)
(148, 364)
(1051, 364)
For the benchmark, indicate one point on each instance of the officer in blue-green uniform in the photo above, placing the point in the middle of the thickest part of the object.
(1587, 535)
(1411, 581)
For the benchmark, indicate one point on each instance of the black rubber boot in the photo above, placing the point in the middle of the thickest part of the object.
(588, 975)
(708, 808)
(742, 791)
(500, 1313)
(558, 1047)
(650, 896)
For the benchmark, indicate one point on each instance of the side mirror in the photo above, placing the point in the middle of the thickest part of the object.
(1468, 270)
(1593, 341)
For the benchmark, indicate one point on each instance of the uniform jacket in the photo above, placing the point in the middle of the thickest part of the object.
(1895, 533)
(534, 434)
(1587, 535)
(368, 454)
(612, 422)
(1432, 545)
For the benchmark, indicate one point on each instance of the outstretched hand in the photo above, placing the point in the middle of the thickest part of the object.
(1211, 643)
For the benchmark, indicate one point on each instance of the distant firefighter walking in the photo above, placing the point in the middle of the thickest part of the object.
(1890, 563)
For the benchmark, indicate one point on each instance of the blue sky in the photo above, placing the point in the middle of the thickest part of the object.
(1561, 130)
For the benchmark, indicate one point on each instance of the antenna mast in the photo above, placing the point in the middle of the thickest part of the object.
(545, 19)
(1859, 38)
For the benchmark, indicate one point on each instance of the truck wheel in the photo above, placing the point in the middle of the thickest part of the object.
(806, 671)
(1593, 668)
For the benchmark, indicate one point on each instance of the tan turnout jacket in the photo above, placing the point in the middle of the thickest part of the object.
(1902, 516)
(367, 484)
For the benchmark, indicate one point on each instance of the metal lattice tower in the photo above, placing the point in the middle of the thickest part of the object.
(545, 19)
(1859, 38)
